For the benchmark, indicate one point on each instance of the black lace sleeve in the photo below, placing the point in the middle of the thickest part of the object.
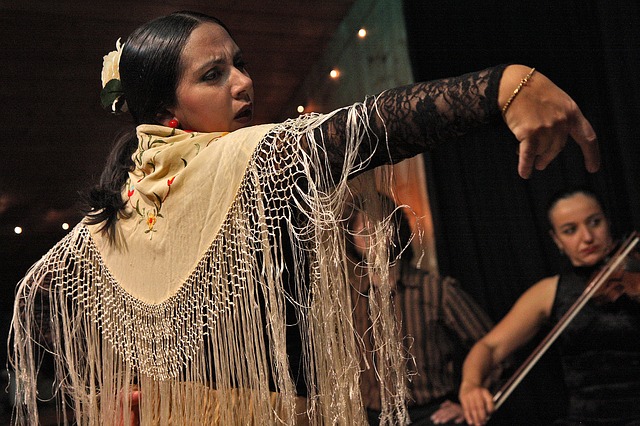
(416, 117)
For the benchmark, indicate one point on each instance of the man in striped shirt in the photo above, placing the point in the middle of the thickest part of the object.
(441, 323)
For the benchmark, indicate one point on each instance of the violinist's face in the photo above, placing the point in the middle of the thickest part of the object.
(215, 92)
(580, 229)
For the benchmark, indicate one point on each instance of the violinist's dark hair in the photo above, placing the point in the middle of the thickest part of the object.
(565, 193)
(150, 70)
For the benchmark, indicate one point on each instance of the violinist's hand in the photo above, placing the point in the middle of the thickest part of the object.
(542, 117)
(631, 284)
(448, 412)
(620, 282)
(631, 277)
(477, 403)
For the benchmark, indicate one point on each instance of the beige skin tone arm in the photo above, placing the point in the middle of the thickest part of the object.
(519, 326)
(540, 117)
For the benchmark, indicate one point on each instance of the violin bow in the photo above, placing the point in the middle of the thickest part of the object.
(596, 282)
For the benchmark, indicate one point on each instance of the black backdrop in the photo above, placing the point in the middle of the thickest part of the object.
(490, 225)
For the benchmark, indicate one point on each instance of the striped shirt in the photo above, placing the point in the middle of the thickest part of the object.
(441, 323)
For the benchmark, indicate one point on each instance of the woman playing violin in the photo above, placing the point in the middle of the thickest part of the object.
(600, 348)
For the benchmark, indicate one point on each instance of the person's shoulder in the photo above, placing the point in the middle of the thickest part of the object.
(543, 288)
(410, 270)
(542, 293)
(431, 279)
(547, 283)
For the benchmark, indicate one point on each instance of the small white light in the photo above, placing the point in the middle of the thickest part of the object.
(362, 33)
(300, 109)
(17, 230)
(65, 226)
(334, 73)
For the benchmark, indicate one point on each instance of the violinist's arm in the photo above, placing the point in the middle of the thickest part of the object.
(518, 327)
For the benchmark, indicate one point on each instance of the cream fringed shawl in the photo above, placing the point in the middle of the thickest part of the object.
(189, 304)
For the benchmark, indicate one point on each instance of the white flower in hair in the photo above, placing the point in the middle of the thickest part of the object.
(111, 65)
(111, 95)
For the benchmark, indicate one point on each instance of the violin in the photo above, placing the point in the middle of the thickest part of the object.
(619, 276)
(623, 281)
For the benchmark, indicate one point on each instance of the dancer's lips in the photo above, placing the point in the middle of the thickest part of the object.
(245, 114)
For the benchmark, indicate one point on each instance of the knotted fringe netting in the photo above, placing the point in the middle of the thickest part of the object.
(206, 354)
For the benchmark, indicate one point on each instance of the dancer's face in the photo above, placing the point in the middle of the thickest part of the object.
(215, 92)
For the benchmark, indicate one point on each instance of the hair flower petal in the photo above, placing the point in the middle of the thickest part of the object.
(111, 65)
(111, 95)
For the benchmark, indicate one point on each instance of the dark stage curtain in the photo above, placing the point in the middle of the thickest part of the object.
(490, 227)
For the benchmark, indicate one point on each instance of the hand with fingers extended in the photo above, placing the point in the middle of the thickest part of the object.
(449, 412)
(477, 403)
(542, 117)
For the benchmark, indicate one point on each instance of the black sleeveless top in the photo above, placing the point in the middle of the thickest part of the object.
(600, 352)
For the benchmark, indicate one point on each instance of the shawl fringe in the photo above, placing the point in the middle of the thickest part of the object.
(215, 351)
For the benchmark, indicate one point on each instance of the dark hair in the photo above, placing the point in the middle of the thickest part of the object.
(150, 63)
(149, 72)
(567, 193)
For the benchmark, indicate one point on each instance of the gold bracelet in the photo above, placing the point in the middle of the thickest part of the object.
(523, 83)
